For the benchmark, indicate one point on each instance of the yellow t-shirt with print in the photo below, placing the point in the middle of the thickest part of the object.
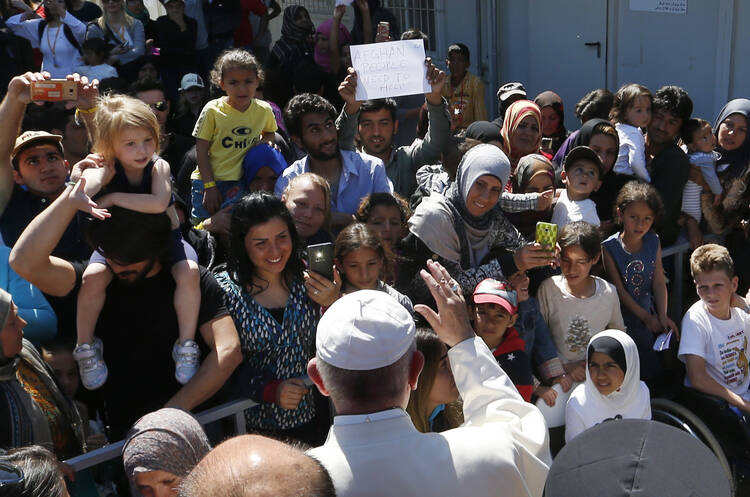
(231, 134)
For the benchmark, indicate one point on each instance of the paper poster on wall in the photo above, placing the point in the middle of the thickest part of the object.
(390, 69)
(663, 6)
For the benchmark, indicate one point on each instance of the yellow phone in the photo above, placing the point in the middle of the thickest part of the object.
(546, 235)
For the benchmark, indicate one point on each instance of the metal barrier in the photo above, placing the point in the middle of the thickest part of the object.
(234, 408)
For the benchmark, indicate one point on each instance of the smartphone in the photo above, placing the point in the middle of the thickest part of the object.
(54, 90)
(384, 31)
(320, 259)
(546, 143)
(307, 381)
(546, 235)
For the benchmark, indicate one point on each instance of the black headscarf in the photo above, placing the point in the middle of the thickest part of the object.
(551, 99)
(294, 34)
(738, 158)
(484, 131)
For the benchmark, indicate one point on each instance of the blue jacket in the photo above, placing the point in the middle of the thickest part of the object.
(32, 306)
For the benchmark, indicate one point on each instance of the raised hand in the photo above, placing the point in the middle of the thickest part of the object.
(19, 88)
(88, 92)
(436, 78)
(451, 321)
(348, 91)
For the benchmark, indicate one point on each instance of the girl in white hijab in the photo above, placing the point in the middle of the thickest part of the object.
(613, 389)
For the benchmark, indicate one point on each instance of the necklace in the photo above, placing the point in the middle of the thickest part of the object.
(53, 46)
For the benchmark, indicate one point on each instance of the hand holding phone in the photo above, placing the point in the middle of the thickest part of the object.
(320, 259)
(53, 90)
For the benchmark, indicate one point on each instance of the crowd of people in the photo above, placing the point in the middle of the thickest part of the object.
(408, 292)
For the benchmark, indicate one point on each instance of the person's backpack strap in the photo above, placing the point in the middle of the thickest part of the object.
(72, 38)
(40, 28)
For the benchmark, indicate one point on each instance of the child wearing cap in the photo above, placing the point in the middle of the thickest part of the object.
(495, 313)
(192, 97)
(582, 173)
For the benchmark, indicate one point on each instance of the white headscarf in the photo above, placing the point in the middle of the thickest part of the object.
(630, 401)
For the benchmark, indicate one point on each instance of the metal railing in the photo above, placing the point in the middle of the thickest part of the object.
(234, 408)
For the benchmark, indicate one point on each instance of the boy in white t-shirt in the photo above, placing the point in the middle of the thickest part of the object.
(582, 175)
(714, 334)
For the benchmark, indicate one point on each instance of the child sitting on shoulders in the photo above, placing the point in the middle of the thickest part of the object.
(226, 129)
(495, 313)
(631, 112)
(539, 345)
(582, 173)
(575, 304)
(126, 138)
(714, 343)
(700, 141)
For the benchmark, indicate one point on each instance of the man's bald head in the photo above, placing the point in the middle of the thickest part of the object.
(251, 465)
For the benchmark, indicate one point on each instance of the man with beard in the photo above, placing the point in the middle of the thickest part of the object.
(310, 120)
(667, 162)
(375, 122)
(138, 324)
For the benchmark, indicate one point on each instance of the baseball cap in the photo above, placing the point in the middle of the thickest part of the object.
(491, 291)
(364, 330)
(28, 138)
(583, 152)
(190, 80)
(510, 89)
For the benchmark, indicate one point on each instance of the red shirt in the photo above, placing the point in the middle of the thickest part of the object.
(244, 35)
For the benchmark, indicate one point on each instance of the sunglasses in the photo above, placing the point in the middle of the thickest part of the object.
(161, 106)
(10, 474)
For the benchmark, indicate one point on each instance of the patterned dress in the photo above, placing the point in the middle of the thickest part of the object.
(637, 274)
(272, 351)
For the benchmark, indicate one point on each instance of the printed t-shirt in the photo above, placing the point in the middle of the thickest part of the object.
(721, 343)
(231, 134)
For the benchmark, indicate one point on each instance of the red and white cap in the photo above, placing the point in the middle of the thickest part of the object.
(491, 291)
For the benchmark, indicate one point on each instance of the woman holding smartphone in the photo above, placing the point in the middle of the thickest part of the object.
(123, 33)
(276, 317)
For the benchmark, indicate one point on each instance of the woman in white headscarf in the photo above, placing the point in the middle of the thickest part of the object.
(466, 230)
(613, 389)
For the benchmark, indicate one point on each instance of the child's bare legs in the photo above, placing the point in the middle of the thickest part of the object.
(187, 301)
(91, 299)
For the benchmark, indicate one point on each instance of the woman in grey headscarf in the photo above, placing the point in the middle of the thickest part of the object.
(466, 231)
(160, 450)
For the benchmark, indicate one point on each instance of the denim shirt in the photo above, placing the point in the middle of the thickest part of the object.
(534, 331)
(361, 175)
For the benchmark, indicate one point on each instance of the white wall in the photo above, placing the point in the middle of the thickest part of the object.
(706, 51)
(658, 49)
(739, 82)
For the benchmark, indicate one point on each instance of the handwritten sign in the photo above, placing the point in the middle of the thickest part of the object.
(663, 6)
(390, 69)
